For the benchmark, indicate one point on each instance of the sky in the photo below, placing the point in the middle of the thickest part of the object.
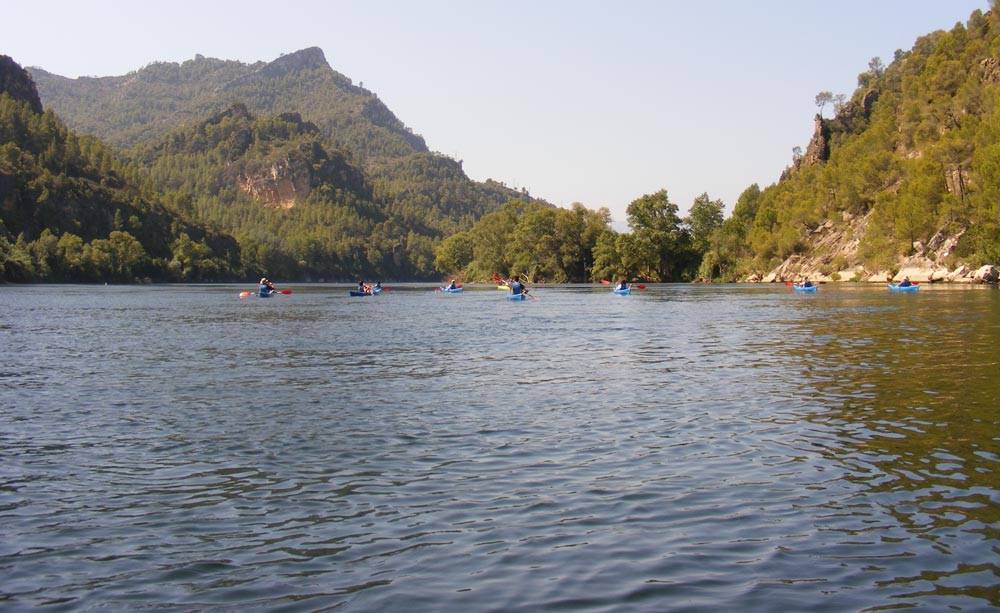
(586, 101)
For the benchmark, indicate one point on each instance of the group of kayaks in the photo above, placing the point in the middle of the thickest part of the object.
(457, 289)
(893, 287)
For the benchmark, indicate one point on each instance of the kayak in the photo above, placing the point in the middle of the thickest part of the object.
(257, 294)
(503, 288)
(893, 287)
(622, 292)
(805, 290)
(516, 297)
(355, 292)
(449, 290)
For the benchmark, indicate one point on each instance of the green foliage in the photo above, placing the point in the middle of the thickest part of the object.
(703, 219)
(574, 245)
(79, 212)
(538, 241)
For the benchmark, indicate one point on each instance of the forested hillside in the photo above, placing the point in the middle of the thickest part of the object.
(70, 209)
(904, 177)
(312, 173)
(143, 106)
(299, 207)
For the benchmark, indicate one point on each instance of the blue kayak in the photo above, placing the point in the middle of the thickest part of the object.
(804, 290)
(622, 292)
(893, 287)
(450, 290)
(516, 297)
(355, 292)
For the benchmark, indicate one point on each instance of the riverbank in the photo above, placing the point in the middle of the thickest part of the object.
(790, 271)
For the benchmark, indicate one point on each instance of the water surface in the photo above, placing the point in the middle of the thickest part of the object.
(683, 448)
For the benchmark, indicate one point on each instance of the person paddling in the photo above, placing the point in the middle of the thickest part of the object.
(516, 287)
(265, 288)
(378, 285)
(364, 289)
(622, 285)
(905, 282)
(452, 285)
(807, 283)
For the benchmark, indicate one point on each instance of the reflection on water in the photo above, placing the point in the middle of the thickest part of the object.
(684, 447)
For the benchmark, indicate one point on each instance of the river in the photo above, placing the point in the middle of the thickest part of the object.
(683, 448)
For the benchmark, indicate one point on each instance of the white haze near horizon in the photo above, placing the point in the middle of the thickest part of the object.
(592, 102)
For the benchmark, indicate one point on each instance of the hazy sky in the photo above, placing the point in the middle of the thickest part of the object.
(594, 102)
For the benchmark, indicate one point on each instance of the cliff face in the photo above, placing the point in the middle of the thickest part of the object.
(280, 185)
(16, 82)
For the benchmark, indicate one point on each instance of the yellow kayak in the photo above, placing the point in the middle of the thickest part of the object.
(503, 288)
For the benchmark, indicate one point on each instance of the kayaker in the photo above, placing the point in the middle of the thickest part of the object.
(378, 285)
(452, 285)
(364, 289)
(906, 282)
(622, 285)
(516, 287)
(266, 288)
(807, 283)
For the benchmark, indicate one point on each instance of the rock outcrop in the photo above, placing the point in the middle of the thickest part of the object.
(834, 257)
(17, 83)
(987, 274)
(281, 185)
(991, 70)
(818, 149)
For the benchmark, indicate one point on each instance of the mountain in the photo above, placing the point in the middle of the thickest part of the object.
(904, 179)
(142, 106)
(411, 196)
(71, 209)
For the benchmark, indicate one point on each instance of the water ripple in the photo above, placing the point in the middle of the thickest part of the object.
(684, 448)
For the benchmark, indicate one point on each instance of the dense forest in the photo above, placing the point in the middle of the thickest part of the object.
(559, 245)
(912, 157)
(71, 209)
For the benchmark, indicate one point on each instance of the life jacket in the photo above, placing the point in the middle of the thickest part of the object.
(516, 288)
(265, 291)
